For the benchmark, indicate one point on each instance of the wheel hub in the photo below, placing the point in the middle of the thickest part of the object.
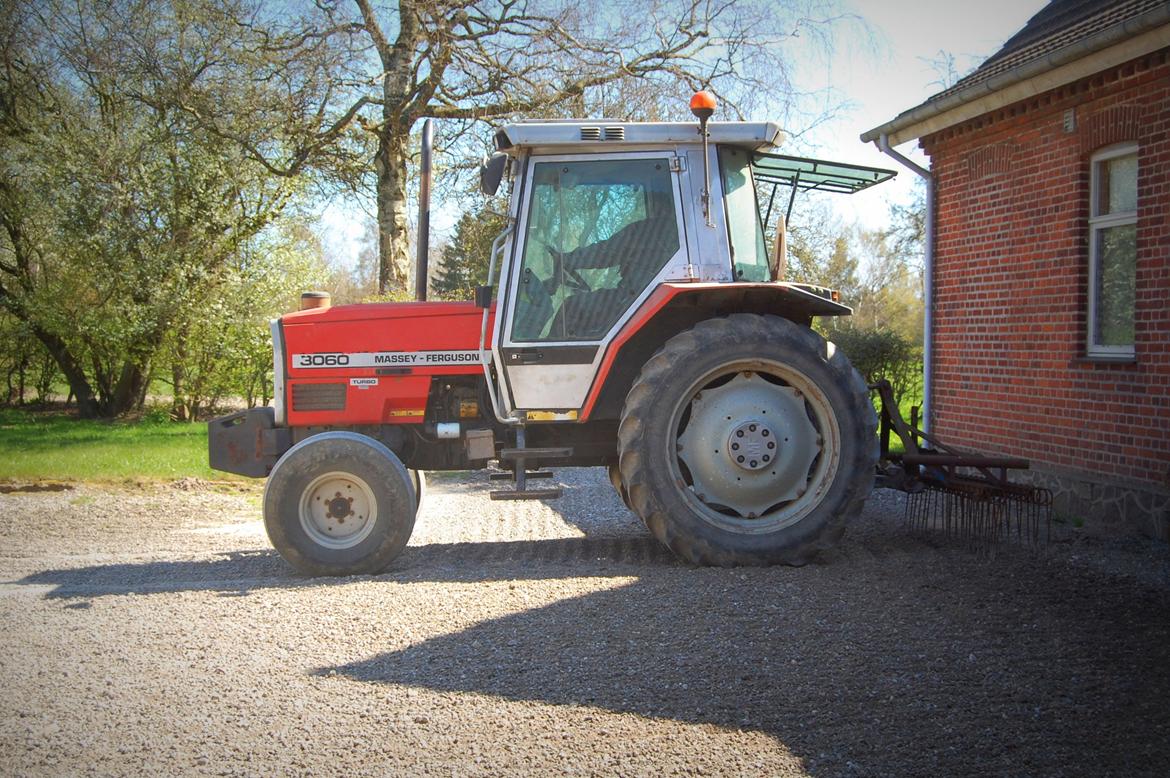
(340, 507)
(338, 510)
(748, 445)
(751, 445)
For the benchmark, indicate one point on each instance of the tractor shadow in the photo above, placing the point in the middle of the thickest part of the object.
(858, 672)
(242, 572)
(614, 543)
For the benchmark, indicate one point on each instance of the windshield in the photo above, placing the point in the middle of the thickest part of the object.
(749, 255)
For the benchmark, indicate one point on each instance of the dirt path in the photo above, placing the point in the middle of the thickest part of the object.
(155, 632)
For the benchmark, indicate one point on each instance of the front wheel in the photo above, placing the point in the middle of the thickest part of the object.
(747, 440)
(339, 503)
(419, 479)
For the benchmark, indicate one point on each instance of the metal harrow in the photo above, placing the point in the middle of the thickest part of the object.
(964, 496)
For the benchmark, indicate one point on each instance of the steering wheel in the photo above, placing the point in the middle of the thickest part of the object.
(561, 269)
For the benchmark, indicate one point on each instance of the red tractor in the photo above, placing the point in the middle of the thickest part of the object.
(637, 322)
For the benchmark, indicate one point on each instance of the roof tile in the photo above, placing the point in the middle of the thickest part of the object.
(1056, 25)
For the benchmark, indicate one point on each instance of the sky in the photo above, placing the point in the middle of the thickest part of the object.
(897, 74)
(876, 73)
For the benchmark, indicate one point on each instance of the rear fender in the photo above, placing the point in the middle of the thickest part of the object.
(673, 308)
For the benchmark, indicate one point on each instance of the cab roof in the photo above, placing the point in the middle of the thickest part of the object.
(607, 135)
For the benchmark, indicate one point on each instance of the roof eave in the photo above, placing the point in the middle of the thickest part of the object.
(1115, 45)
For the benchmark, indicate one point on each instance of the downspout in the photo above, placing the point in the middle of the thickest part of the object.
(883, 143)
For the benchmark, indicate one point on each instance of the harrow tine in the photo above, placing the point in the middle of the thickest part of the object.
(981, 515)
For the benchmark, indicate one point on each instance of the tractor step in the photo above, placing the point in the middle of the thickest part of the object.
(534, 453)
(529, 474)
(527, 494)
(520, 456)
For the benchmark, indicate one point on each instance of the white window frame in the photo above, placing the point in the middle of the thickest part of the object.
(1097, 223)
(670, 270)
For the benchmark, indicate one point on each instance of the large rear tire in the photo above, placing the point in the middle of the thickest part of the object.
(748, 440)
(615, 478)
(339, 503)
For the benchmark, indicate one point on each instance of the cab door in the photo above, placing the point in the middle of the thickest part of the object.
(597, 233)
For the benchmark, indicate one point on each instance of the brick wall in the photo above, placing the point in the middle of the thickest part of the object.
(1011, 280)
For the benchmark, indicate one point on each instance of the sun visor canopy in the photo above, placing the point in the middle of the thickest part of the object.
(808, 175)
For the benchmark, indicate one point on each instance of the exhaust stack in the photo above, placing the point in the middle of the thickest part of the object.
(424, 212)
(310, 300)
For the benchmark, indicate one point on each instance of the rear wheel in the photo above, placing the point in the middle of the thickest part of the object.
(747, 440)
(615, 478)
(339, 503)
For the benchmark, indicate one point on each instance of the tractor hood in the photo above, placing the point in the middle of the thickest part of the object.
(371, 363)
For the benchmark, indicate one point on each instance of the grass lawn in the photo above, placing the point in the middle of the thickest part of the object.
(60, 448)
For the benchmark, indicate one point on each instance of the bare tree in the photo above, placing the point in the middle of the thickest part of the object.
(474, 60)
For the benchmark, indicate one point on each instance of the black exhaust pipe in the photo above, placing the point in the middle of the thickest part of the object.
(424, 212)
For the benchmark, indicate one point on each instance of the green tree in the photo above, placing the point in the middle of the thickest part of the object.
(464, 260)
(27, 368)
(129, 178)
(888, 294)
(224, 351)
(879, 275)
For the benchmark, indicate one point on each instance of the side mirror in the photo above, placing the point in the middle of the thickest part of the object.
(483, 296)
(491, 172)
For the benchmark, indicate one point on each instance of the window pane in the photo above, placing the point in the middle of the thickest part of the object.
(598, 232)
(1117, 186)
(1115, 284)
(749, 255)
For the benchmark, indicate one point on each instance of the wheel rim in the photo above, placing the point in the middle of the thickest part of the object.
(757, 445)
(338, 510)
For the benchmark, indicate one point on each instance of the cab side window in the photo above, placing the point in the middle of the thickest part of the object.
(598, 232)
(749, 255)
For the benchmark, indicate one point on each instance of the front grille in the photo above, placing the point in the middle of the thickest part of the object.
(318, 397)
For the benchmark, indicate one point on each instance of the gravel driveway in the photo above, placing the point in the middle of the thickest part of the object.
(151, 631)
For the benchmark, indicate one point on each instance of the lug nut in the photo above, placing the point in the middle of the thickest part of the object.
(764, 433)
(753, 463)
(771, 445)
(735, 447)
(751, 428)
(739, 433)
(739, 458)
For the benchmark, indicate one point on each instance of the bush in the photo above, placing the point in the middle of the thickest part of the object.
(879, 354)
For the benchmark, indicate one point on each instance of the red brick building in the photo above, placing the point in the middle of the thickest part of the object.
(1050, 310)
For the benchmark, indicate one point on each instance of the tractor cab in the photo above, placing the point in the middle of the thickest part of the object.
(605, 215)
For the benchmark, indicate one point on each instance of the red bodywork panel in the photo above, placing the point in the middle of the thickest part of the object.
(650, 306)
(373, 363)
(785, 297)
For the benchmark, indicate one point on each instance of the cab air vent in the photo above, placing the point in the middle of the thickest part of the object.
(615, 133)
(590, 133)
